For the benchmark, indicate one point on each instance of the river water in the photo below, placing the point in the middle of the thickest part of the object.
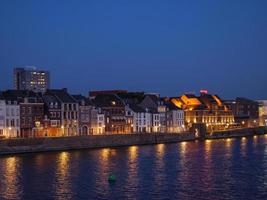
(212, 169)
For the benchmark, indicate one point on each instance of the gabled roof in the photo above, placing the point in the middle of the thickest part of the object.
(171, 106)
(82, 99)
(62, 95)
(50, 99)
(20, 95)
(108, 100)
(242, 99)
(136, 108)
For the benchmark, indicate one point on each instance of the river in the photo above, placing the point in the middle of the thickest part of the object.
(213, 169)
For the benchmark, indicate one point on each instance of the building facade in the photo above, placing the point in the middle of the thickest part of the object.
(174, 118)
(9, 118)
(246, 111)
(31, 79)
(69, 111)
(52, 118)
(206, 108)
(262, 112)
(113, 109)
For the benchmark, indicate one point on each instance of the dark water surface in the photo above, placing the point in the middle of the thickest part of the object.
(218, 169)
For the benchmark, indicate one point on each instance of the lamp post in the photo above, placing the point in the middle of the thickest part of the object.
(9, 130)
(62, 130)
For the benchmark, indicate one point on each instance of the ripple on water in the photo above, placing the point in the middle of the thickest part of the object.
(216, 169)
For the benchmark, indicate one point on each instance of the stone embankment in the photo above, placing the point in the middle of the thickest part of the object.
(30, 145)
(27, 145)
(242, 132)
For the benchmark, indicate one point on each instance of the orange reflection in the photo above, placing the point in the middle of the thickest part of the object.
(11, 190)
(63, 176)
(229, 142)
(160, 150)
(105, 154)
(243, 145)
(133, 153)
(183, 147)
(208, 146)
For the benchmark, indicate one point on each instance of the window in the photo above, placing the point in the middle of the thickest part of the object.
(7, 112)
(12, 112)
(1, 132)
(7, 122)
(12, 122)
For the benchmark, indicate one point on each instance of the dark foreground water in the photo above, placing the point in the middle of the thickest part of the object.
(218, 169)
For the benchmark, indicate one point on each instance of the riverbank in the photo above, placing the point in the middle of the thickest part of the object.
(244, 132)
(30, 145)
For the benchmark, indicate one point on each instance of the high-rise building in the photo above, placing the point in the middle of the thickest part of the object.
(31, 79)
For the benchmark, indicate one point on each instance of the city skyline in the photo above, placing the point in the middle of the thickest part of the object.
(170, 48)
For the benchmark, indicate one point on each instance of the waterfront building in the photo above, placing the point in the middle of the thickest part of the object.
(113, 108)
(69, 111)
(246, 111)
(97, 122)
(84, 114)
(9, 117)
(32, 79)
(156, 104)
(52, 119)
(174, 118)
(142, 118)
(91, 120)
(31, 111)
(262, 112)
(206, 108)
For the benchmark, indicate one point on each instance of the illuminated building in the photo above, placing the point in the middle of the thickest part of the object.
(246, 111)
(154, 102)
(31, 111)
(144, 120)
(69, 111)
(262, 112)
(174, 118)
(52, 120)
(31, 79)
(113, 109)
(206, 108)
(9, 117)
(91, 120)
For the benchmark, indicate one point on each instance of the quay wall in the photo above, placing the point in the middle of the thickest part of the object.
(237, 133)
(27, 145)
(30, 145)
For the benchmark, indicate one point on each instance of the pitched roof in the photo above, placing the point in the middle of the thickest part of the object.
(171, 106)
(82, 99)
(20, 95)
(137, 108)
(106, 100)
(62, 95)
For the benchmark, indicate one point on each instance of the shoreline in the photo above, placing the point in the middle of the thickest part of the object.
(38, 145)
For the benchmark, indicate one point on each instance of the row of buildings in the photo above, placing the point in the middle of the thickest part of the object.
(32, 109)
(24, 113)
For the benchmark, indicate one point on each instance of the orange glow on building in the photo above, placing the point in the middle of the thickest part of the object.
(219, 102)
(177, 103)
(193, 101)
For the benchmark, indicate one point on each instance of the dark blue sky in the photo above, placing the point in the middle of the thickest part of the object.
(166, 46)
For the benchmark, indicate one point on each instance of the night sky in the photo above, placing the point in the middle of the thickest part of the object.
(167, 46)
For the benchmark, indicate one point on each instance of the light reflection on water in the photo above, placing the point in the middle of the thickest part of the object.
(9, 187)
(233, 168)
(62, 185)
